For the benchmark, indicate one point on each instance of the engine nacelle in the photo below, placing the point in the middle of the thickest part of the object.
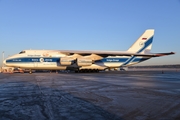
(84, 62)
(66, 61)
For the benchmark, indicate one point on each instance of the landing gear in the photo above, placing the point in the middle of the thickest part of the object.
(30, 71)
(21, 71)
(124, 68)
(87, 71)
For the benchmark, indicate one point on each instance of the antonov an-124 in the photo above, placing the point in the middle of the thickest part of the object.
(85, 61)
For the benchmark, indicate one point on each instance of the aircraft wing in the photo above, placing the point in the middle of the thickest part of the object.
(113, 53)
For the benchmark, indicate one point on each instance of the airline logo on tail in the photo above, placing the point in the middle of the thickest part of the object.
(146, 45)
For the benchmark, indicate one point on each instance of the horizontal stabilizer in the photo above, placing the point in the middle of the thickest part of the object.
(163, 54)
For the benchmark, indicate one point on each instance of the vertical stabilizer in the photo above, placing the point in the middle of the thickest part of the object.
(144, 43)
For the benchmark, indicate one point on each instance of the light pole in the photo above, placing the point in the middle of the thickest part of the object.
(2, 58)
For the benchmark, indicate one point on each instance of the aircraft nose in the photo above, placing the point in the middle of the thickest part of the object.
(4, 62)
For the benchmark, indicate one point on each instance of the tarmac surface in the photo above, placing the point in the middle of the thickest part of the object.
(127, 95)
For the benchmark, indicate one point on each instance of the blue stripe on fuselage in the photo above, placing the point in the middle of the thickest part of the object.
(120, 60)
(112, 60)
(104, 60)
(129, 60)
(30, 59)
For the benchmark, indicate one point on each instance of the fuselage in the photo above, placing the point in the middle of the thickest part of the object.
(52, 60)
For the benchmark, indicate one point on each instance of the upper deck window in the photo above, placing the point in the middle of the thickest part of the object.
(22, 52)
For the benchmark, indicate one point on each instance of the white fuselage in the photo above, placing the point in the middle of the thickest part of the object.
(50, 60)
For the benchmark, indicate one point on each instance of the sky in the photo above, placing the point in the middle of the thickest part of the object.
(89, 25)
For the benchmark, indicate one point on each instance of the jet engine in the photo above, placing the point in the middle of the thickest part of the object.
(84, 62)
(66, 61)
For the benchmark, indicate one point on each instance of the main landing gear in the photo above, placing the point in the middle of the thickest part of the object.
(87, 71)
(30, 71)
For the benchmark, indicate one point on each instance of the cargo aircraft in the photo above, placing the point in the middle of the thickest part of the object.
(85, 61)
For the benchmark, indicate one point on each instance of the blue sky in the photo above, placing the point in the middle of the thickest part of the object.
(89, 25)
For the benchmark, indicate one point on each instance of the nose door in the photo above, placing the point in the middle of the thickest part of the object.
(4, 62)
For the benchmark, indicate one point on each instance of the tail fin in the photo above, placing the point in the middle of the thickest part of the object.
(144, 43)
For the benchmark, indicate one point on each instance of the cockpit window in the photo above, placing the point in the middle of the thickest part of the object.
(22, 52)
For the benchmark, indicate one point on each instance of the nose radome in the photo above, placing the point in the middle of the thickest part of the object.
(4, 62)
